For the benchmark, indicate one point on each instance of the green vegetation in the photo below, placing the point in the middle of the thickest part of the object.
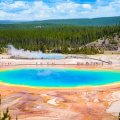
(105, 21)
(59, 36)
(59, 39)
(4, 115)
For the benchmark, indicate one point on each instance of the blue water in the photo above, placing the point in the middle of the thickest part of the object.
(50, 77)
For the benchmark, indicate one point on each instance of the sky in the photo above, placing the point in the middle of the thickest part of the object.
(57, 9)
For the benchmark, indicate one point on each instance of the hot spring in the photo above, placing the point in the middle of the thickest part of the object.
(53, 77)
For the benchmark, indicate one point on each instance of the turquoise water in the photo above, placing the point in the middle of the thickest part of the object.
(50, 77)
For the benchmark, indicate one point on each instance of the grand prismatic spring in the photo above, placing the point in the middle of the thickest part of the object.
(53, 77)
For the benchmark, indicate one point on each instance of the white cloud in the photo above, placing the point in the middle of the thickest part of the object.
(87, 6)
(11, 6)
(17, 4)
(111, 9)
(66, 8)
(39, 10)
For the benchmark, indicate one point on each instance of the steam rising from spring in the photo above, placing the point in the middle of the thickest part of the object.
(21, 53)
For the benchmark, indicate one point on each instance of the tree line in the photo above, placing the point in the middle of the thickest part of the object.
(57, 39)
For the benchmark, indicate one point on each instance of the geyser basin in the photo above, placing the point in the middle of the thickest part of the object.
(52, 77)
(21, 53)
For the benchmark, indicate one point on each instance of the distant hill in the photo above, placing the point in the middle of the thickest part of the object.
(76, 22)
(85, 22)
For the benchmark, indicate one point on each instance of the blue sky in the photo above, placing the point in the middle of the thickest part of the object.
(57, 9)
